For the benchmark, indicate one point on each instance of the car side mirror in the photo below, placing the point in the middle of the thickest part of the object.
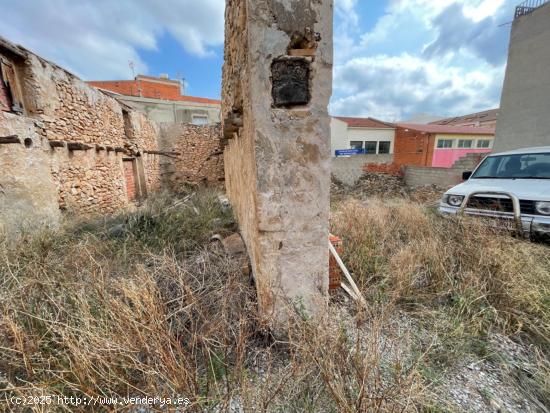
(466, 175)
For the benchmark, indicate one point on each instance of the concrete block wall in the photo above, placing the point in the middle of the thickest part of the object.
(421, 176)
(444, 177)
(523, 119)
(349, 169)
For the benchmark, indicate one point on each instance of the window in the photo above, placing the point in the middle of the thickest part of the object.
(483, 143)
(384, 147)
(370, 146)
(465, 143)
(522, 166)
(200, 120)
(444, 143)
(356, 144)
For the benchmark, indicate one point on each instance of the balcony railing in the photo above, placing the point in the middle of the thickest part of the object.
(529, 6)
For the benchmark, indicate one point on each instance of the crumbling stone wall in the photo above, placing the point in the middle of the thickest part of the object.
(89, 181)
(198, 155)
(83, 136)
(73, 144)
(70, 110)
(276, 87)
(141, 133)
(153, 171)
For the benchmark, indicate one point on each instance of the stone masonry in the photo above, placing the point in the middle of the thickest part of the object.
(65, 146)
(276, 87)
(198, 157)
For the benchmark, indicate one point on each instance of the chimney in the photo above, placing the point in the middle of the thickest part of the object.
(164, 76)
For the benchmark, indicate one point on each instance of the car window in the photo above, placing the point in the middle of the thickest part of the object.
(523, 166)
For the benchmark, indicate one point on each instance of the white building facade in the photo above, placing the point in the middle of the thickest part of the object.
(358, 136)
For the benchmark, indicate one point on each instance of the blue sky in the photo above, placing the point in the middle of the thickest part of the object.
(393, 58)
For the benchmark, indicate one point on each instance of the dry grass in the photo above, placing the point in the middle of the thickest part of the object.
(142, 305)
(462, 279)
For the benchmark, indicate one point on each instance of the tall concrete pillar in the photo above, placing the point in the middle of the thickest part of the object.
(277, 82)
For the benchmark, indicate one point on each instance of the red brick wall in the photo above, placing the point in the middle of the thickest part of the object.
(413, 147)
(149, 88)
(384, 168)
(129, 178)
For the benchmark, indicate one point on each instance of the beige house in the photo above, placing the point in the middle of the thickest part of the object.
(361, 136)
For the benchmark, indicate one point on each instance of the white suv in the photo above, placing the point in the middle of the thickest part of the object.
(514, 186)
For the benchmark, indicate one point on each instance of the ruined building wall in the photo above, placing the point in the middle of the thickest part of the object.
(70, 110)
(28, 195)
(276, 87)
(77, 149)
(78, 139)
(88, 181)
(198, 156)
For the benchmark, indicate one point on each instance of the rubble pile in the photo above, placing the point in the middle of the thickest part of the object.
(381, 185)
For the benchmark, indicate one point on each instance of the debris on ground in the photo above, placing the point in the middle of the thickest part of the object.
(382, 185)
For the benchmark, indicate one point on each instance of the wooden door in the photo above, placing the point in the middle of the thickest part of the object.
(129, 176)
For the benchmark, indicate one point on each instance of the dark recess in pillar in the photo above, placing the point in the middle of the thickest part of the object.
(9, 139)
(290, 80)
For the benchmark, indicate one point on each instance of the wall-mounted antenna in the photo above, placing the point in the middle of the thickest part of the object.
(182, 82)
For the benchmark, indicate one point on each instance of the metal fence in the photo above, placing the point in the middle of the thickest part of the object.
(529, 6)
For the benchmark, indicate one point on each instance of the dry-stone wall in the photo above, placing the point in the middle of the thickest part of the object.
(198, 156)
(66, 147)
(70, 110)
(70, 141)
(89, 181)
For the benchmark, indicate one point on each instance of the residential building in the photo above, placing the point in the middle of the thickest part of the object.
(161, 100)
(439, 145)
(354, 136)
(487, 118)
(524, 118)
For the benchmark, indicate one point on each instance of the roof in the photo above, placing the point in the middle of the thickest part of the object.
(448, 129)
(113, 86)
(198, 100)
(365, 123)
(539, 149)
(485, 116)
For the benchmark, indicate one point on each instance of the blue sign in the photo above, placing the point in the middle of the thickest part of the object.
(349, 152)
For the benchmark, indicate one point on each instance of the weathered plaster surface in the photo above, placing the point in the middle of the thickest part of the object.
(278, 164)
(28, 196)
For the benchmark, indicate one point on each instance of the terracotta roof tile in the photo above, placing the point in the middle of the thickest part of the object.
(365, 123)
(448, 129)
(485, 116)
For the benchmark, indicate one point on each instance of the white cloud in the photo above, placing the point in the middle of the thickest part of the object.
(345, 9)
(415, 60)
(97, 38)
(395, 87)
